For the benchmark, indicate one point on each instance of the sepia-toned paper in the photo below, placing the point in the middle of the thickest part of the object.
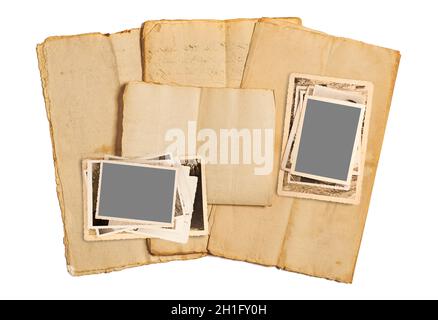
(150, 111)
(205, 53)
(82, 77)
(307, 236)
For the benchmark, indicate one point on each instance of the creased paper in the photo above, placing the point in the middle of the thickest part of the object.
(307, 236)
(82, 77)
(205, 53)
(152, 111)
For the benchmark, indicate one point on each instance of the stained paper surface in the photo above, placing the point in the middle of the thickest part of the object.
(307, 236)
(172, 53)
(82, 77)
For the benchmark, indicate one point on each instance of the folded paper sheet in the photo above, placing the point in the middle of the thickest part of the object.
(82, 77)
(205, 53)
(307, 236)
(159, 118)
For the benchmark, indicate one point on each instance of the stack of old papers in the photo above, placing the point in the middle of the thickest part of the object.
(245, 139)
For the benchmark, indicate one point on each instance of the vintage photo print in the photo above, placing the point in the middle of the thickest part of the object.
(199, 223)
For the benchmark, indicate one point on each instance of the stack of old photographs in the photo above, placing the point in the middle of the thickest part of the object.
(152, 197)
(324, 139)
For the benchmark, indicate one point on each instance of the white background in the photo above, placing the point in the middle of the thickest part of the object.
(399, 256)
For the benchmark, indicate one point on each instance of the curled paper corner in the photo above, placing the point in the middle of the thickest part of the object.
(71, 270)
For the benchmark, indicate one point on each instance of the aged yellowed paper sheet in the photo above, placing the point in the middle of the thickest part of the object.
(313, 237)
(153, 112)
(82, 78)
(205, 53)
